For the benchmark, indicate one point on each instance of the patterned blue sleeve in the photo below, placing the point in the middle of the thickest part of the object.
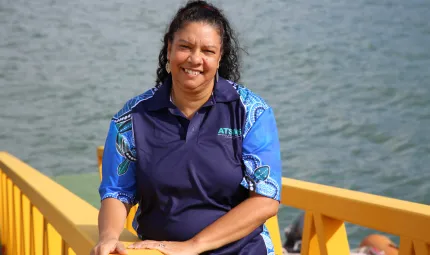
(119, 162)
(261, 154)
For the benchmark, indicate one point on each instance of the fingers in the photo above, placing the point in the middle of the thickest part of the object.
(110, 247)
(101, 250)
(120, 248)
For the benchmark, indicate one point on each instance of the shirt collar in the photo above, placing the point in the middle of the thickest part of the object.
(223, 92)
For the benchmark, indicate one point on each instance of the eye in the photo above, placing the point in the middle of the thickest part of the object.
(209, 51)
(183, 46)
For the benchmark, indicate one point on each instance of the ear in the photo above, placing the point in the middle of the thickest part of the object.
(169, 49)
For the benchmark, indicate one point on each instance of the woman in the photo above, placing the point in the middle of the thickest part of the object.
(199, 153)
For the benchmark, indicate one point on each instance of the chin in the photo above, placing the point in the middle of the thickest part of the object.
(191, 84)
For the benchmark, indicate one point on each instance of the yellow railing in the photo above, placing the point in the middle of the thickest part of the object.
(39, 216)
(327, 208)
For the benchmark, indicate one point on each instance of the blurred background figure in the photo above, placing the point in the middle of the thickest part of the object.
(374, 244)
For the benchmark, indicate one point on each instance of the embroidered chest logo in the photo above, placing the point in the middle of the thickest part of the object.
(230, 132)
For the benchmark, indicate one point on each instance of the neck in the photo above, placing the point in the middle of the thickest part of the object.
(189, 102)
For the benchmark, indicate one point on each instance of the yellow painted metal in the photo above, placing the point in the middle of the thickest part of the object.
(413, 247)
(47, 205)
(273, 228)
(17, 221)
(2, 218)
(22, 223)
(331, 235)
(406, 246)
(11, 224)
(421, 248)
(385, 214)
(25, 216)
(76, 221)
(38, 232)
(3, 204)
(53, 240)
(310, 245)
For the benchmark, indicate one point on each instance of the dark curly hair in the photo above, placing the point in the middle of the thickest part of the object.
(201, 11)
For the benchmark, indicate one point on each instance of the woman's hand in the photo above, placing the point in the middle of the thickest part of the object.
(168, 248)
(105, 247)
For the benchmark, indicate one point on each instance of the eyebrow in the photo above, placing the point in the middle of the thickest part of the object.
(187, 42)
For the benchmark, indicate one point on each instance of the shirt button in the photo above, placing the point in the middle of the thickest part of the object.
(193, 129)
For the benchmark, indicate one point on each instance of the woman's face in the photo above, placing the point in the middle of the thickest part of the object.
(194, 56)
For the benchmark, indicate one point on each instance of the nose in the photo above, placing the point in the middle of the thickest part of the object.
(195, 57)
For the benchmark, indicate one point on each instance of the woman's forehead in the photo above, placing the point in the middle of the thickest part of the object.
(198, 33)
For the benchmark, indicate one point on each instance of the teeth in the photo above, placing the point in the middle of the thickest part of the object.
(191, 72)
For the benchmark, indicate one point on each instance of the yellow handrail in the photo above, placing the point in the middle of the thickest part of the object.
(327, 208)
(41, 217)
(385, 214)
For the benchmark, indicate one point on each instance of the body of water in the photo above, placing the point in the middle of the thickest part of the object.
(349, 82)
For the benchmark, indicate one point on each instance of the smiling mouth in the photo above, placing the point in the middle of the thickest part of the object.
(191, 72)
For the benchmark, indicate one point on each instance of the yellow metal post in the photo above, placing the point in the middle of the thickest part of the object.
(3, 208)
(17, 219)
(331, 234)
(273, 228)
(421, 248)
(11, 224)
(406, 246)
(310, 244)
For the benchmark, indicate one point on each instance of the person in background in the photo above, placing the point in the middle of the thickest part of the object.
(377, 244)
(199, 153)
(373, 244)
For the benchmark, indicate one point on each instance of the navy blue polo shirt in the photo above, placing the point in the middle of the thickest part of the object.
(186, 174)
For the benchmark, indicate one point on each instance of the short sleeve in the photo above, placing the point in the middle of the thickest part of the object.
(119, 163)
(262, 157)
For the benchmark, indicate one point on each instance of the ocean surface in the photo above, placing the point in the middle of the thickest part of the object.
(349, 82)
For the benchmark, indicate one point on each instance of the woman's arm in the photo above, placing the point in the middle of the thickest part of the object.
(117, 188)
(112, 217)
(237, 223)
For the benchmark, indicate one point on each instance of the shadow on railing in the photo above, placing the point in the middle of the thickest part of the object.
(39, 216)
